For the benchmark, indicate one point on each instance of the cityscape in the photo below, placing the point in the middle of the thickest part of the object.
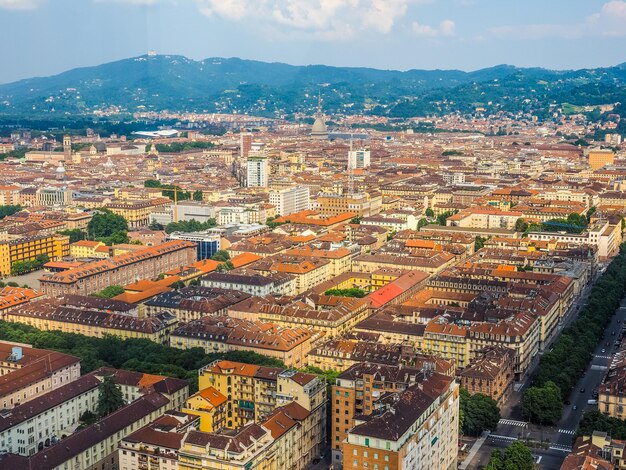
(278, 262)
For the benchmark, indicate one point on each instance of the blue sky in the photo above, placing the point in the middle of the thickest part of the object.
(44, 37)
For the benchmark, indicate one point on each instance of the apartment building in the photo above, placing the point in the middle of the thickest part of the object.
(29, 247)
(93, 320)
(414, 428)
(290, 200)
(146, 263)
(223, 333)
(358, 397)
(137, 213)
(491, 373)
(26, 372)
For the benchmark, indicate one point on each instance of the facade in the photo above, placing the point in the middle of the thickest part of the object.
(208, 243)
(146, 263)
(290, 200)
(410, 428)
(491, 373)
(257, 171)
(359, 159)
(51, 196)
(28, 248)
(27, 372)
(598, 158)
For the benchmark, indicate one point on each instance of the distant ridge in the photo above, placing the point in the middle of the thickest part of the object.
(173, 82)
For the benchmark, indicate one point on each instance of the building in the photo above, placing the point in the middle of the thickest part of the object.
(254, 392)
(146, 263)
(30, 247)
(87, 249)
(27, 372)
(221, 334)
(208, 242)
(597, 158)
(356, 391)
(290, 200)
(359, 159)
(52, 196)
(257, 171)
(491, 373)
(612, 392)
(245, 144)
(409, 427)
(596, 452)
(93, 321)
(94, 446)
(137, 213)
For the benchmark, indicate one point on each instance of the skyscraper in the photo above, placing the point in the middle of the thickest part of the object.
(257, 174)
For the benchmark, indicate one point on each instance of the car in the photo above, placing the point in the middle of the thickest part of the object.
(567, 402)
(607, 343)
(603, 351)
(612, 333)
(317, 460)
(575, 407)
(582, 390)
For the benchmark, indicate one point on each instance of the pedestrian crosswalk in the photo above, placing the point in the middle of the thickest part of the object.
(561, 447)
(567, 431)
(512, 422)
(502, 438)
(598, 356)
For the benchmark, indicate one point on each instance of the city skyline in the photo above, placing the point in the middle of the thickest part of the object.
(397, 34)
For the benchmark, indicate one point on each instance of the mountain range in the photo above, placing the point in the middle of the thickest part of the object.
(177, 83)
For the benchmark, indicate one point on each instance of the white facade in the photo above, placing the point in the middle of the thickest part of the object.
(257, 174)
(359, 159)
(290, 200)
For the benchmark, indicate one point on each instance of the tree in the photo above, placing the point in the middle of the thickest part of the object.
(421, 223)
(590, 212)
(192, 225)
(22, 267)
(221, 255)
(197, 195)
(350, 292)
(441, 218)
(429, 212)
(226, 266)
(521, 225)
(75, 234)
(355, 220)
(479, 242)
(88, 418)
(577, 219)
(108, 227)
(110, 397)
(480, 413)
(517, 456)
(109, 292)
(543, 405)
(9, 210)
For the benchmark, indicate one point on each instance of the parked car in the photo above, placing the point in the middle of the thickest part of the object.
(582, 390)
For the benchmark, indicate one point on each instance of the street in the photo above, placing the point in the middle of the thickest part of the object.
(559, 438)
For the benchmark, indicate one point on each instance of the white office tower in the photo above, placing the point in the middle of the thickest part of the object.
(359, 159)
(257, 174)
(290, 200)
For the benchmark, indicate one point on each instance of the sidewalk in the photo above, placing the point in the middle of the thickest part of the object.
(474, 450)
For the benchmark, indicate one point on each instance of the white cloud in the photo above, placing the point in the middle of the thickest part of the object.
(20, 4)
(445, 28)
(322, 19)
(609, 21)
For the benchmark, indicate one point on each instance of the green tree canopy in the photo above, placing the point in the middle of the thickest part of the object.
(190, 226)
(517, 456)
(480, 413)
(109, 292)
(350, 292)
(110, 397)
(108, 227)
(75, 234)
(9, 210)
(521, 225)
(429, 212)
(543, 405)
(221, 255)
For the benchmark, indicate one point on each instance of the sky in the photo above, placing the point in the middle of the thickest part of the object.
(46, 37)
